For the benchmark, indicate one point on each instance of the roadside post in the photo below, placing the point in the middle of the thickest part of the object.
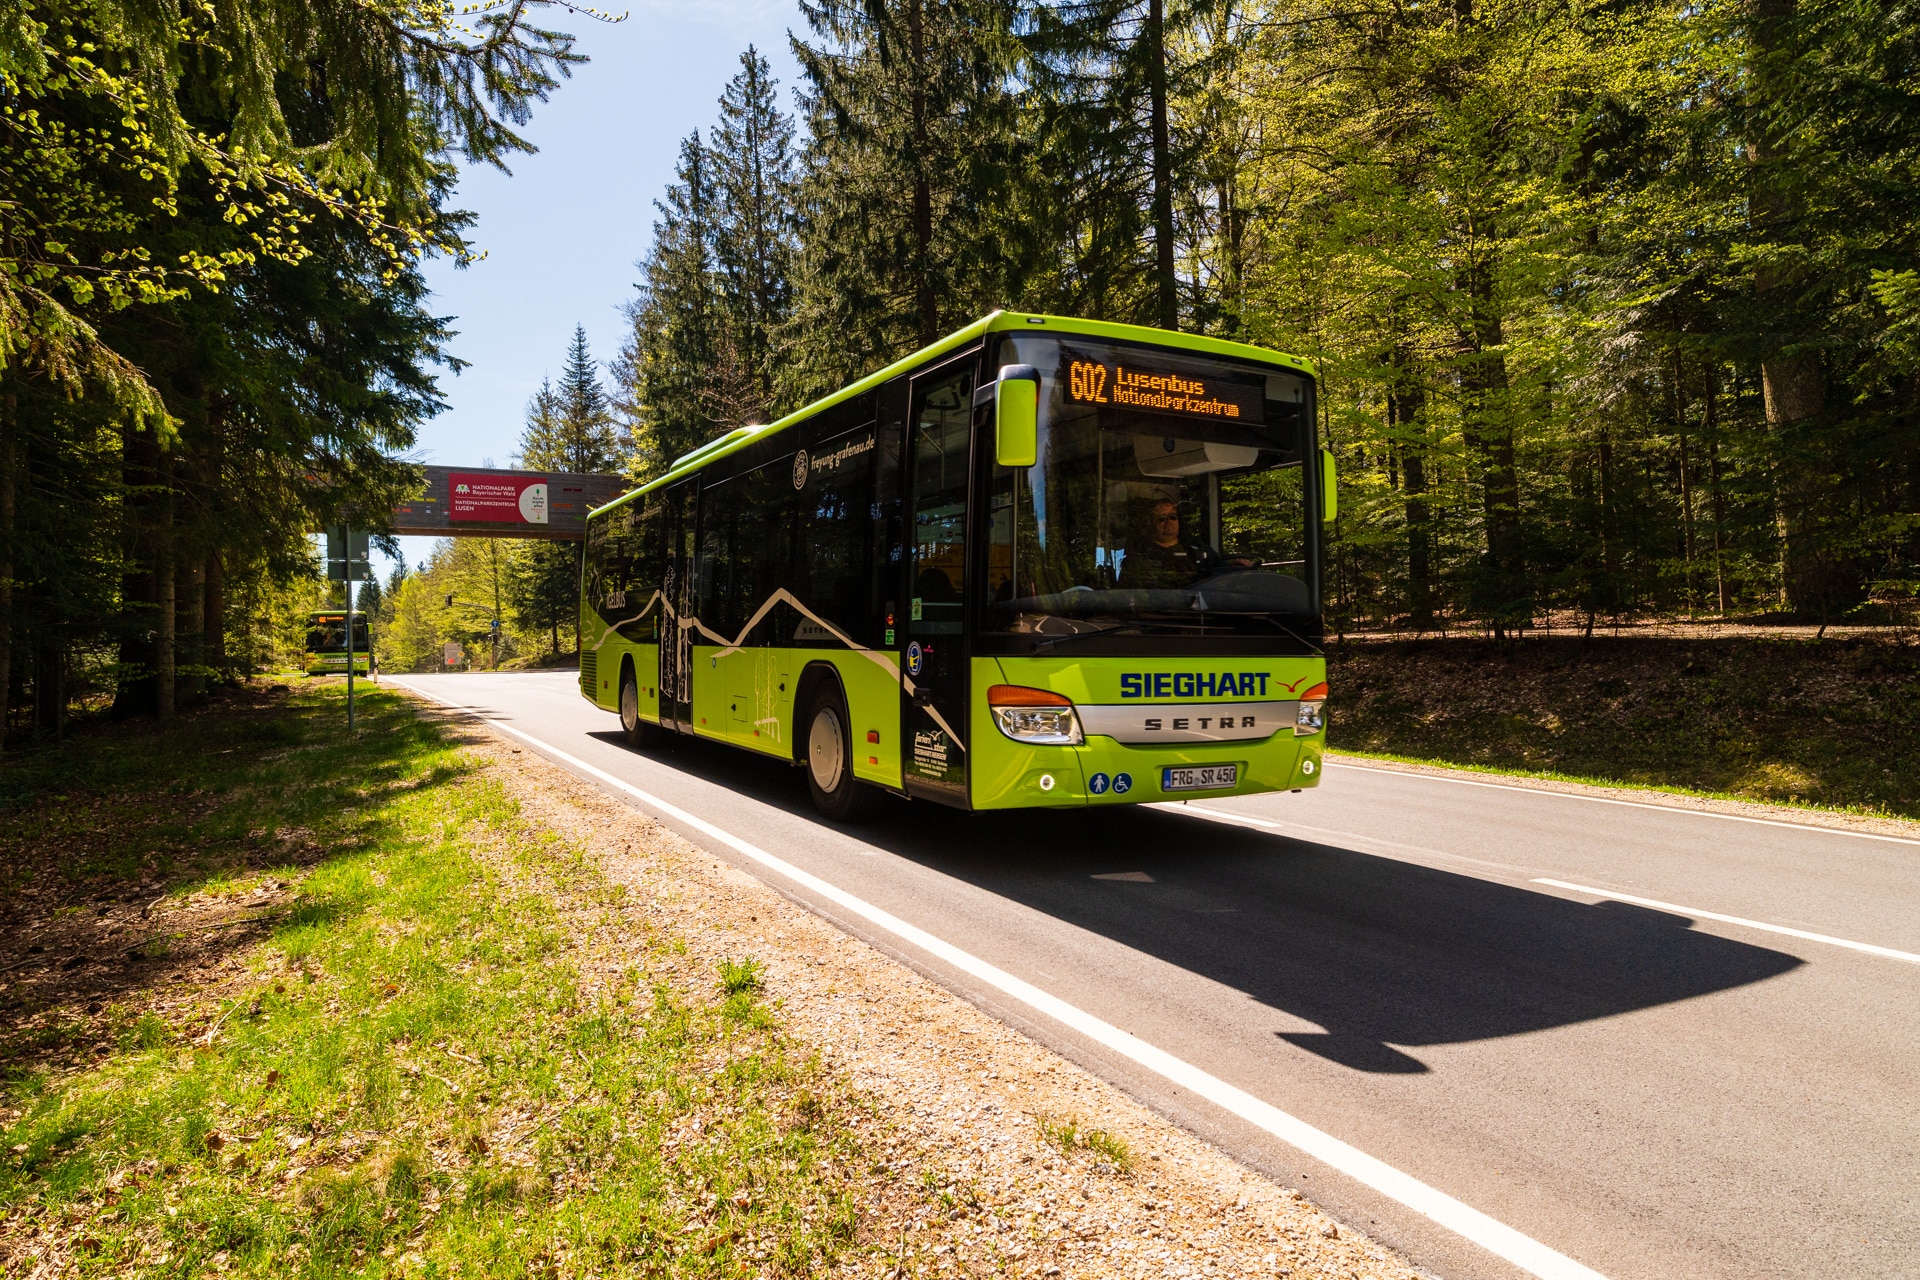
(493, 625)
(347, 563)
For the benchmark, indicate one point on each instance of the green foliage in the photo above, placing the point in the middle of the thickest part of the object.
(1615, 306)
(716, 287)
(436, 1056)
(571, 427)
(1835, 724)
(740, 976)
(212, 325)
(1070, 1135)
(533, 586)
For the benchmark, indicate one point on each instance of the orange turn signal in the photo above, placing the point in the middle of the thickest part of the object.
(1316, 694)
(1016, 695)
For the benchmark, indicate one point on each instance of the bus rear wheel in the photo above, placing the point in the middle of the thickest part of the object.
(640, 733)
(829, 760)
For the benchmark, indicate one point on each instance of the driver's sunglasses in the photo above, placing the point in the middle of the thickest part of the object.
(1166, 519)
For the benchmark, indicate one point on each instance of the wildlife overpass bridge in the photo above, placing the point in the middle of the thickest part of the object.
(484, 502)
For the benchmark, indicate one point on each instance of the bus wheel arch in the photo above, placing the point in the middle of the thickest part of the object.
(823, 745)
(812, 676)
(639, 731)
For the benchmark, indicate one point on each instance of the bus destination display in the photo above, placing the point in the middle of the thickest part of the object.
(1160, 391)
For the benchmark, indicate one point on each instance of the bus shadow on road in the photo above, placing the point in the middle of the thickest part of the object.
(1384, 956)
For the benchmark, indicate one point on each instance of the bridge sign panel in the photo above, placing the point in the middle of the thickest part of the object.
(495, 503)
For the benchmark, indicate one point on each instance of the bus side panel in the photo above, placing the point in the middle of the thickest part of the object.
(710, 693)
(646, 673)
(1008, 775)
(873, 705)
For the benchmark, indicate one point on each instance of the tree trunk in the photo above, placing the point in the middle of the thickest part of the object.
(213, 621)
(1793, 380)
(134, 695)
(8, 406)
(1686, 480)
(926, 302)
(1607, 589)
(166, 584)
(193, 621)
(213, 625)
(1711, 425)
(1232, 270)
(1406, 405)
(1167, 303)
(1489, 429)
(49, 683)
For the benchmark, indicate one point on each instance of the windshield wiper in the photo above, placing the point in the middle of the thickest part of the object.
(1049, 642)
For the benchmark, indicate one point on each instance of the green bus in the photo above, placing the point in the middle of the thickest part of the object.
(1043, 562)
(327, 643)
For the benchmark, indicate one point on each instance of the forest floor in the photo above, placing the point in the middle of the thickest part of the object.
(274, 1001)
(1780, 719)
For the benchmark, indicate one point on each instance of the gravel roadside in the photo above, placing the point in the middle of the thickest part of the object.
(1002, 1157)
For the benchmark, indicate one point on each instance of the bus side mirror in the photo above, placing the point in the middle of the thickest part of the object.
(1329, 486)
(1016, 416)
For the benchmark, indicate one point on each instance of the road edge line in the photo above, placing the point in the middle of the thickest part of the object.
(1437, 1206)
(1807, 934)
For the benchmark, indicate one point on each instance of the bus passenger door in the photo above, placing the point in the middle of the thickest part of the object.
(934, 666)
(676, 590)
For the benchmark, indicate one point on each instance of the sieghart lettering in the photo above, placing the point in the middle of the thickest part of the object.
(1193, 684)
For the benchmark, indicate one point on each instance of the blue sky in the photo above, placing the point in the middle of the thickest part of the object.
(562, 233)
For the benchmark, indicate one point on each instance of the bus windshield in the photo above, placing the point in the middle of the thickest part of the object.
(327, 633)
(1169, 496)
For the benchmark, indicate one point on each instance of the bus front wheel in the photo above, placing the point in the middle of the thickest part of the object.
(639, 733)
(829, 760)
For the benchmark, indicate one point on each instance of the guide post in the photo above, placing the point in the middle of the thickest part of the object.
(347, 562)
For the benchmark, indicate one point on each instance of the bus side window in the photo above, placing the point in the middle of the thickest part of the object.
(763, 544)
(715, 606)
(642, 553)
(835, 580)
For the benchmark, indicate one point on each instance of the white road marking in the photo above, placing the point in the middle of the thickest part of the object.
(1496, 1237)
(1742, 921)
(1631, 804)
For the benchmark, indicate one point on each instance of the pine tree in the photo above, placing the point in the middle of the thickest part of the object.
(571, 427)
(664, 375)
(909, 225)
(751, 150)
(543, 440)
(1109, 75)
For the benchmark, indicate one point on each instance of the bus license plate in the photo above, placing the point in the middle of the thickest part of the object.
(1205, 777)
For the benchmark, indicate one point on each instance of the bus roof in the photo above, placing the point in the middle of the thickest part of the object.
(740, 437)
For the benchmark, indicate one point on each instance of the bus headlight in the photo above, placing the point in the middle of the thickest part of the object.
(1312, 716)
(1035, 716)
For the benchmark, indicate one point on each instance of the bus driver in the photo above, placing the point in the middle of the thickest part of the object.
(1164, 560)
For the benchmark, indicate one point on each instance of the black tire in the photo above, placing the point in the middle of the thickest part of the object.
(826, 745)
(641, 734)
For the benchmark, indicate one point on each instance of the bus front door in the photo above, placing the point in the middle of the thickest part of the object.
(677, 593)
(934, 665)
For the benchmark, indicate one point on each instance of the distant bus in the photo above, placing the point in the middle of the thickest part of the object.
(1042, 562)
(327, 644)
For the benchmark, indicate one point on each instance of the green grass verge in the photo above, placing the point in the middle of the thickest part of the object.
(436, 1063)
(1832, 725)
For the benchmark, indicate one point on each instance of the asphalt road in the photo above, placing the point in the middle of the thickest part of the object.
(1649, 1092)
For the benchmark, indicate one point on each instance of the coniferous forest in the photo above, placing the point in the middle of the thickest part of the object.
(1616, 304)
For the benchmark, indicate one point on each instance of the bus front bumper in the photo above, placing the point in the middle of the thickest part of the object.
(1011, 775)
